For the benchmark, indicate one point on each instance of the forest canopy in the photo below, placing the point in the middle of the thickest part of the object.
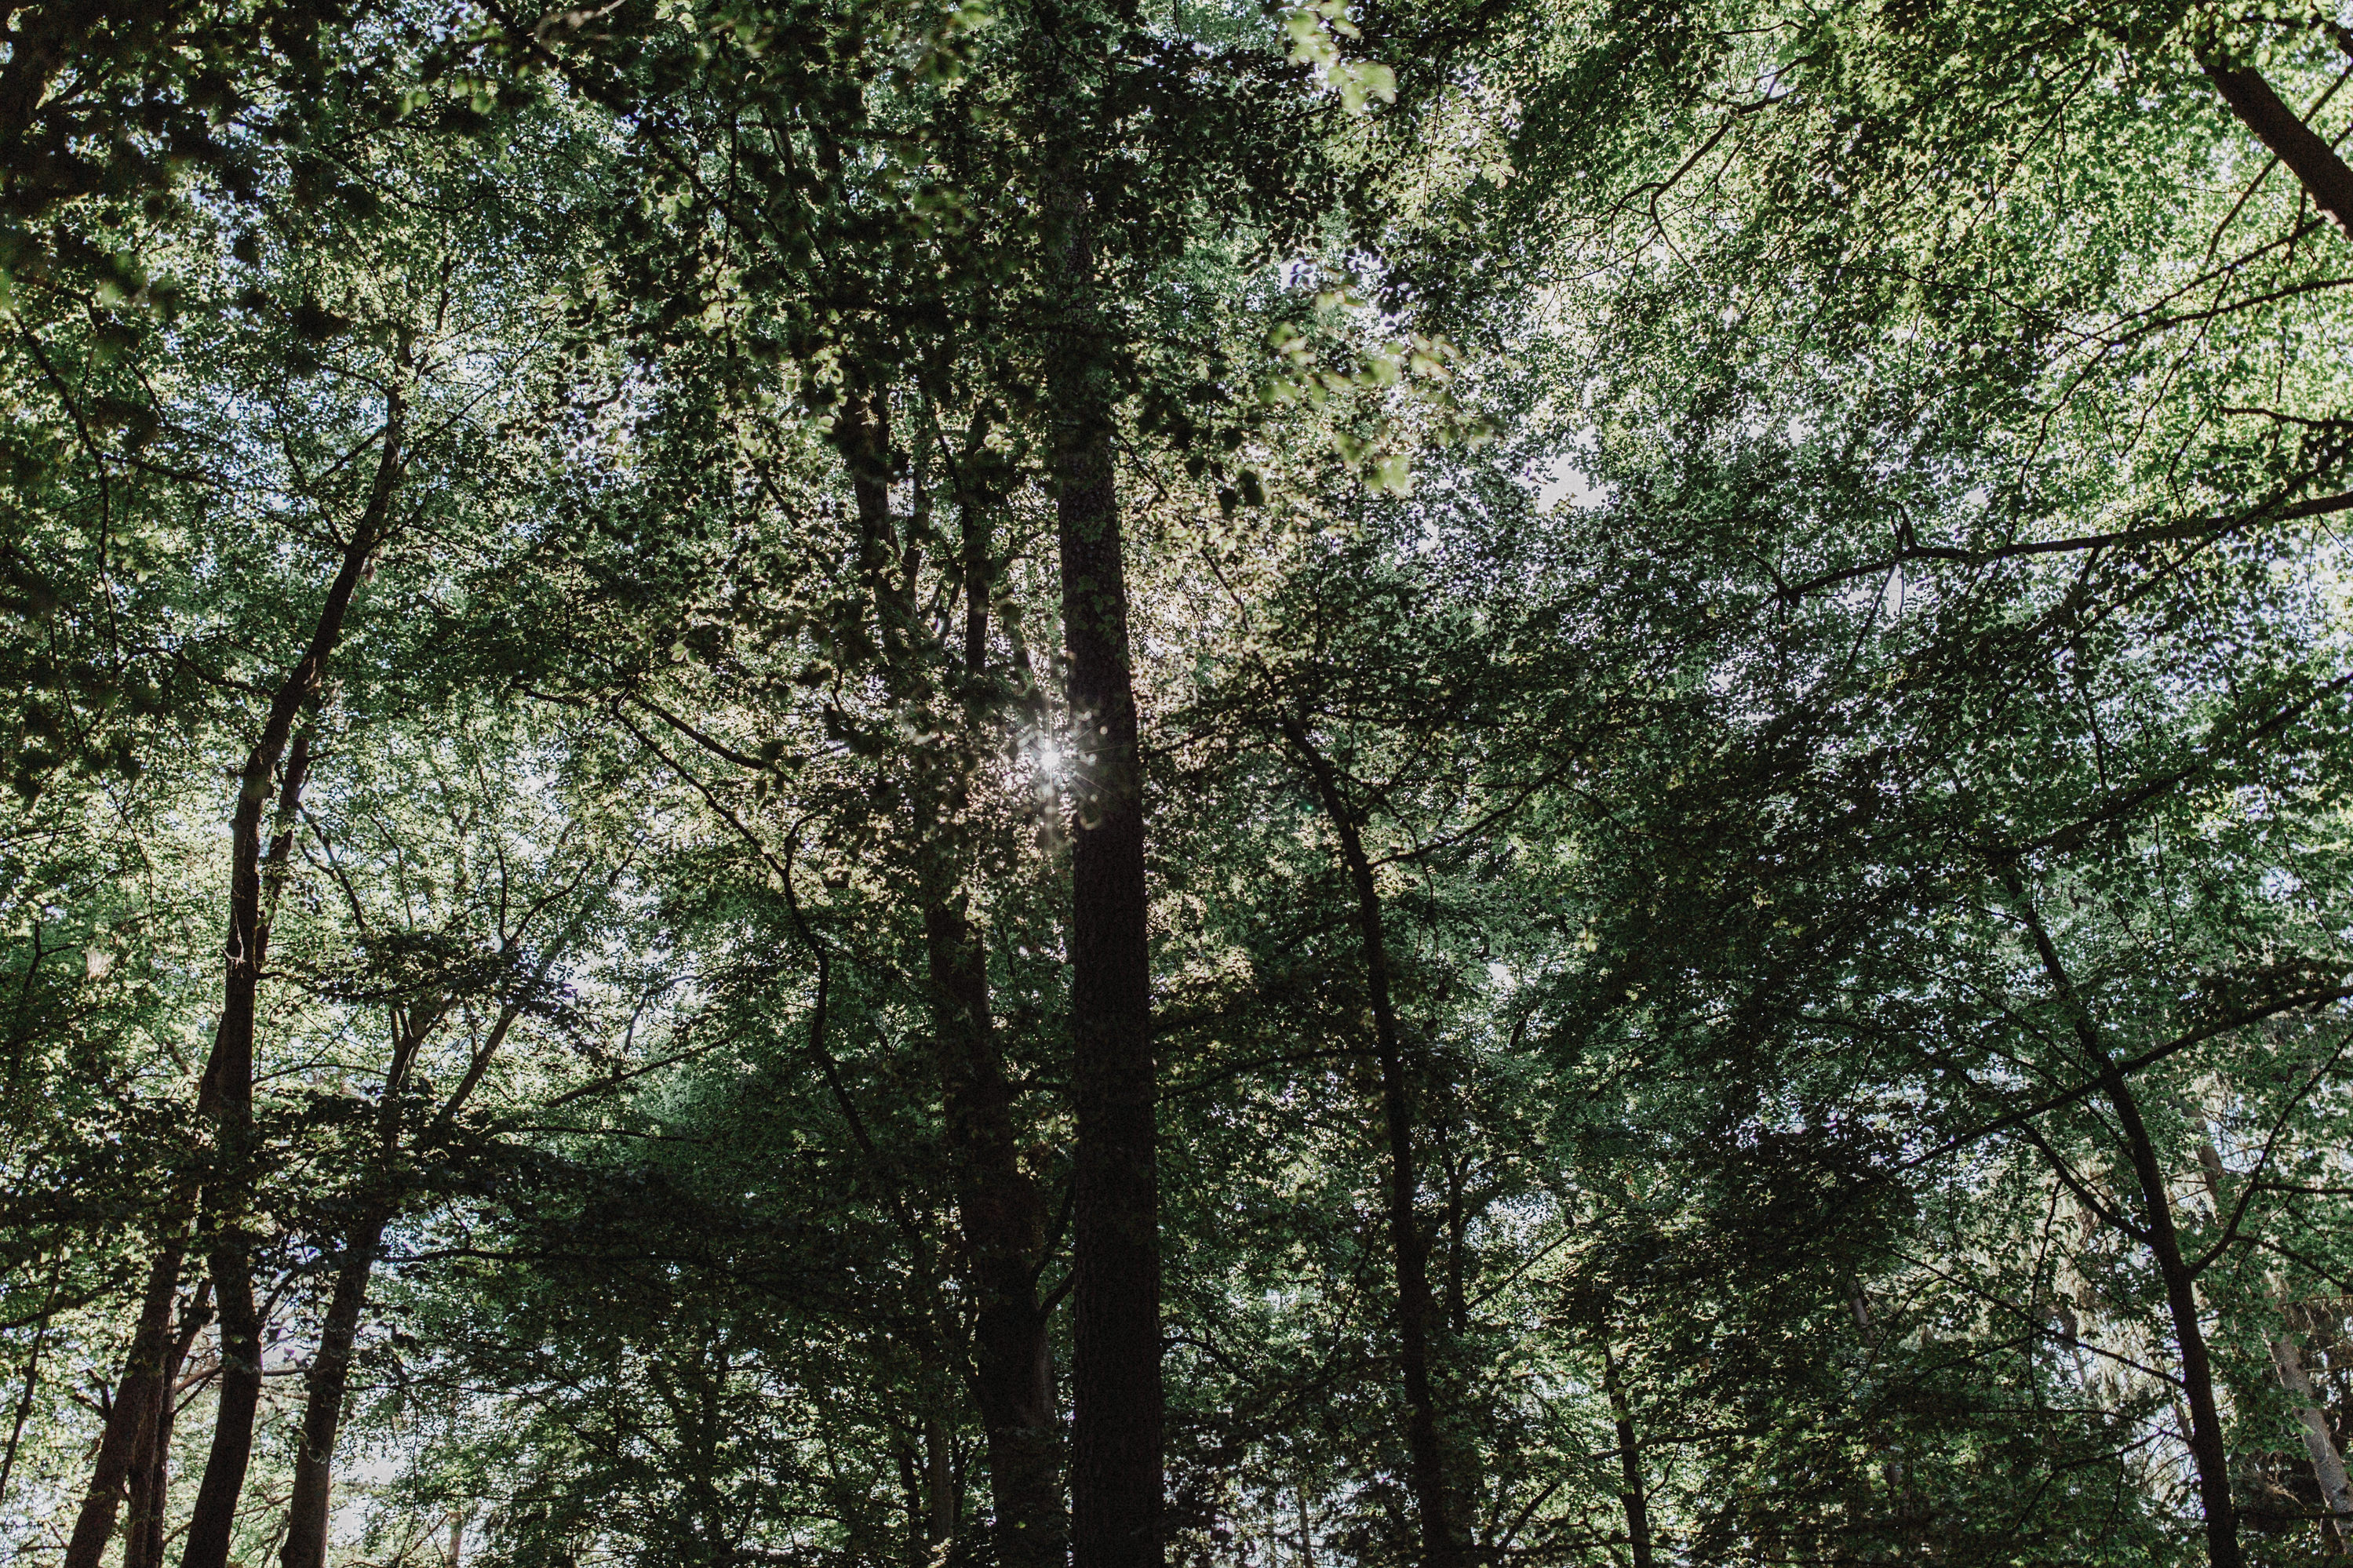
(1067, 784)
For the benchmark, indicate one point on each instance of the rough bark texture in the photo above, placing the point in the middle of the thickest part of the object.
(226, 1095)
(2158, 1232)
(2325, 176)
(1410, 1249)
(324, 1386)
(127, 1421)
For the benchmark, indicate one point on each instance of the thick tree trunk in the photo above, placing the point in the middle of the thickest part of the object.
(1116, 1489)
(324, 1386)
(1117, 1398)
(1411, 1250)
(2311, 159)
(2206, 1449)
(127, 1421)
(226, 1095)
(1632, 1496)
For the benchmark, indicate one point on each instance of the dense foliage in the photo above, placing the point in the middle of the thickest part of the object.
(1034, 783)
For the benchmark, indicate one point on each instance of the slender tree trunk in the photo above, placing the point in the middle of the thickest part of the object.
(939, 1486)
(2325, 176)
(1117, 1398)
(999, 1208)
(2206, 1449)
(1632, 1495)
(2319, 1443)
(1415, 1308)
(150, 1480)
(2287, 1357)
(325, 1385)
(1002, 1216)
(226, 1095)
(126, 1421)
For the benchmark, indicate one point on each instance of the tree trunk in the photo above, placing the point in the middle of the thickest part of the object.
(1116, 1399)
(226, 1095)
(2319, 1443)
(1115, 1368)
(2312, 160)
(1003, 1218)
(1410, 1249)
(119, 1444)
(939, 1486)
(151, 1479)
(1631, 1494)
(323, 1407)
(999, 1208)
(2206, 1449)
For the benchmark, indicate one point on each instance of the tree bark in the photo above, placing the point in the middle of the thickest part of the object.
(2325, 176)
(150, 1478)
(1003, 1218)
(2319, 1443)
(127, 1420)
(939, 1485)
(1116, 1422)
(226, 1095)
(1117, 1398)
(999, 1208)
(2163, 1241)
(324, 1387)
(1408, 1248)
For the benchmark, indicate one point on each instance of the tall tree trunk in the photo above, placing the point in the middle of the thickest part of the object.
(2310, 158)
(1117, 1398)
(1115, 1494)
(1632, 1496)
(150, 1478)
(226, 1095)
(1408, 1248)
(127, 1420)
(324, 1386)
(2158, 1233)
